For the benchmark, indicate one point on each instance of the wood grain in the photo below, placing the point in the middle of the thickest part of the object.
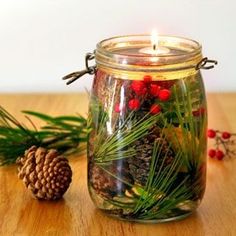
(76, 215)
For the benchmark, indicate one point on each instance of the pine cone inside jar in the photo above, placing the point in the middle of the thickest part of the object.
(139, 165)
(105, 184)
(45, 173)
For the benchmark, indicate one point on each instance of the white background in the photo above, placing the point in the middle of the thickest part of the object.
(42, 40)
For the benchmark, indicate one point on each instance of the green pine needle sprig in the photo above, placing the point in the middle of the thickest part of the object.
(119, 144)
(67, 134)
(160, 195)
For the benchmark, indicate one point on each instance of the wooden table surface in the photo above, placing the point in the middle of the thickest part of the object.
(75, 214)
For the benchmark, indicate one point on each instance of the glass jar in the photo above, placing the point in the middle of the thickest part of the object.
(148, 120)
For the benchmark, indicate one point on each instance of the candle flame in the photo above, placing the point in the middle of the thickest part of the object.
(154, 39)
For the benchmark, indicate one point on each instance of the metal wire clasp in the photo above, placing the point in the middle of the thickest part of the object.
(89, 70)
(203, 64)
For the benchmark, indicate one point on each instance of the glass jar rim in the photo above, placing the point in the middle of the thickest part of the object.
(123, 52)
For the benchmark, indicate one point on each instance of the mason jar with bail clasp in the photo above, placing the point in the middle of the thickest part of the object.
(148, 120)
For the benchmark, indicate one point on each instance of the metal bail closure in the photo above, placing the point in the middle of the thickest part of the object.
(88, 70)
(203, 64)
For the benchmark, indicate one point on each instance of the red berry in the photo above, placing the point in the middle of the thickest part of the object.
(147, 78)
(219, 155)
(154, 90)
(134, 104)
(212, 153)
(118, 107)
(199, 112)
(202, 110)
(211, 133)
(226, 135)
(155, 109)
(139, 87)
(196, 113)
(144, 91)
(164, 94)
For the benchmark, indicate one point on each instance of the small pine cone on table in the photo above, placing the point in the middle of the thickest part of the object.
(44, 172)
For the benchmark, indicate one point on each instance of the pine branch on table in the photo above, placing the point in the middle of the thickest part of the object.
(67, 134)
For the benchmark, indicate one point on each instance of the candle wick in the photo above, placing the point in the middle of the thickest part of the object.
(154, 47)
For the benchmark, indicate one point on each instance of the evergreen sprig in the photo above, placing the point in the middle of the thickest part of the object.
(64, 133)
(160, 195)
(119, 144)
(193, 130)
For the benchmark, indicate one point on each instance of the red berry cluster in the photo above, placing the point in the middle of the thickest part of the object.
(146, 88)
(223, 144)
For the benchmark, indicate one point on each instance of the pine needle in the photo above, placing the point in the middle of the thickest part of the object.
(67, 134)
(118, 145)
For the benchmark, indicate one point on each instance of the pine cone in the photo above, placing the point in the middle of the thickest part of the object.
(140, 164)
(106, 184)
(45, 173)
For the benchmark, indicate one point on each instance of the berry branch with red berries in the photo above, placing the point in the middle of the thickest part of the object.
(224, 144)
(147, 88)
